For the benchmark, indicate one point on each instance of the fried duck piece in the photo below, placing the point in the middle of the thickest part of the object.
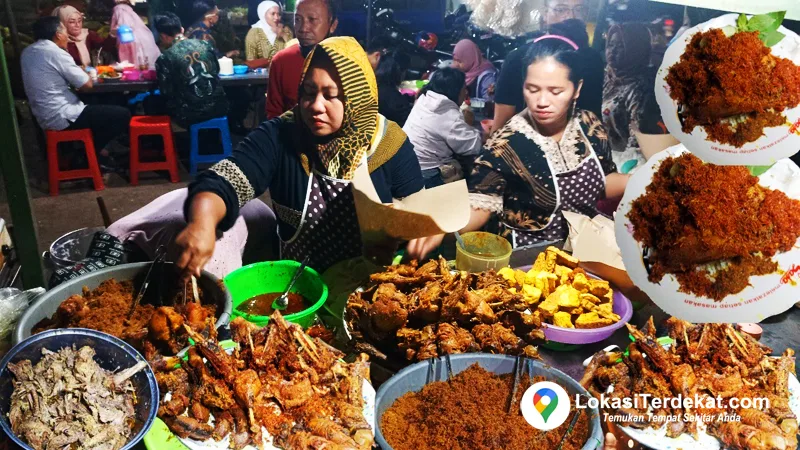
(428, 303)
(648, 344)
(223, 424)
(387, 314)
(163, 328)
(187, 427)
(418, 344)
(453, 339)
(780, 377)
(406, 270)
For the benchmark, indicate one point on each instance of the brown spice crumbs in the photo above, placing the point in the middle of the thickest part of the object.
(468, 412)
(719, 76)
(693, 214)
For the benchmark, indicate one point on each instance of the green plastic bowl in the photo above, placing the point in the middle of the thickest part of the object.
(273, 276)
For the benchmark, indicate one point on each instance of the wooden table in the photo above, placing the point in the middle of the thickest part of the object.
(119, 86)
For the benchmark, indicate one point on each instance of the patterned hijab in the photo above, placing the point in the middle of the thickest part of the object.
(363, 131)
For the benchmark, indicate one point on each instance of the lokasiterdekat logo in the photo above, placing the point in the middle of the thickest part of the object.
(789, 276)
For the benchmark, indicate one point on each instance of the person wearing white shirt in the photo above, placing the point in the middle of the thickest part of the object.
(51, 78)
(438, 130)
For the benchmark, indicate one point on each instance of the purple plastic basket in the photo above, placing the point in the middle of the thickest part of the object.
(622, 307)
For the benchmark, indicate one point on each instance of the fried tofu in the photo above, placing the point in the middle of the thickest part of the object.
(592, 320)
(567, 296)
(541, 262)
(581, 283)
(605, 311)
(563, 320)
(591, 298)
(563, 258)
(519, 277)
(599, 288)
(547, 308)
(531, 294)
(546, 282)
(508, 274)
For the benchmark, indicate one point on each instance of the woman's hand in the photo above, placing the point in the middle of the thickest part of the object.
(611, 442)
(196, 245)
(232, 53)
(420, 248)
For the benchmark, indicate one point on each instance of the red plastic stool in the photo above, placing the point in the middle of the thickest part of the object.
(56, 175)
(149, 126)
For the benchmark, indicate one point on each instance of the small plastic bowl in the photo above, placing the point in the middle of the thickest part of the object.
(240, 70)
(493, 252)
(111, 353)
(274, 276)
(131, 75)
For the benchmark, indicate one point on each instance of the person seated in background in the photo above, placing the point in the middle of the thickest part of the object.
(481, 74)
(438, 131)
(266, 37)
(205, 15)
(143, 50)
(84, 44)
(314, 20)
(377, 48)
(627, 93)
(391, 103)
(49, 75)
(188, 75)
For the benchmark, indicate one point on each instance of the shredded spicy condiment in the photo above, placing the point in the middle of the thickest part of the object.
(719, 77)
(469, 412)
(694, 215)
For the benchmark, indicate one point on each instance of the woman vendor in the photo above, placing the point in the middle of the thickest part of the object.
(83, 43)
(547, 159)
(266, 37)
(307, 159)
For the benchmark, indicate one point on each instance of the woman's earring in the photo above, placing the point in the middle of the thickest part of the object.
(574, 107)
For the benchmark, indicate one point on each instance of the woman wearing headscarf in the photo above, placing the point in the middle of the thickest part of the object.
(550, 158)
(266, 37)
(143, 48)
(481, 74)
(627, 90)
(307, 158)
(83, 44)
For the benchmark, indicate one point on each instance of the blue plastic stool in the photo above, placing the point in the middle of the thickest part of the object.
(195, 158)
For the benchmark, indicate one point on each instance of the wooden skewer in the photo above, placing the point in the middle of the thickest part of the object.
(194, 290)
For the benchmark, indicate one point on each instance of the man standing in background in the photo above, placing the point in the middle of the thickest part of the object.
(314, 21)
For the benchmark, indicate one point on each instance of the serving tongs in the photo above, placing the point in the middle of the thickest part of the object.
(520, 366)
(157, 266)
(572, 423)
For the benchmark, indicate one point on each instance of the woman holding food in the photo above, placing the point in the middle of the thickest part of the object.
(266, 37)
(307, 158)
(83, 43)
(549, 158)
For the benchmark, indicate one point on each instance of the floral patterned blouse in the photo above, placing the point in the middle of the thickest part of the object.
(513, 176)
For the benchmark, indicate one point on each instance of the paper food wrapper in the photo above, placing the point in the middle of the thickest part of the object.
(744, 6)
(444, 209)
(766, 296)
(776, 143)
(593, 242)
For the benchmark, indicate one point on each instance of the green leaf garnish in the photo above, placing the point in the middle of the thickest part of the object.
(757, 171)
(765, 24)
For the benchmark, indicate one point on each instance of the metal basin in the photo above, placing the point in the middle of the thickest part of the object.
(47, 304)
(111, 353)
(414, 378)
(72, 247)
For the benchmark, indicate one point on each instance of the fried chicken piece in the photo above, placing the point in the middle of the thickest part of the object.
(780, 377)
(393, 278)
(240, 437)
(223, 424)
(331, 431)
(453, 339)
(72, 309)
(726, 384)
(163, 327)
(497, 339)
(476, 307)
(198, 411)
(406, 270)
(291, 394)
(738, 435)
(176, 406)
(429, 269)
(387, 315)
(428, 304)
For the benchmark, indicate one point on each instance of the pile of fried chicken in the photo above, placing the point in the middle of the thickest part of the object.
(152, 330)
(707, 361)
(279, 379)
(428, 311)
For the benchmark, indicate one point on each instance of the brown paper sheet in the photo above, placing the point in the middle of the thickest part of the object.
(444, 209)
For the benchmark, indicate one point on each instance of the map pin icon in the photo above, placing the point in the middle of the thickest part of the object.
(545, 400)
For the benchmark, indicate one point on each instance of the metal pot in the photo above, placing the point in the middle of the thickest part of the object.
(47, 304)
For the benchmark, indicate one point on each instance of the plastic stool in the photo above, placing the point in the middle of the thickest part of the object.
(195, 158)
(152, 126)
(56, 175)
